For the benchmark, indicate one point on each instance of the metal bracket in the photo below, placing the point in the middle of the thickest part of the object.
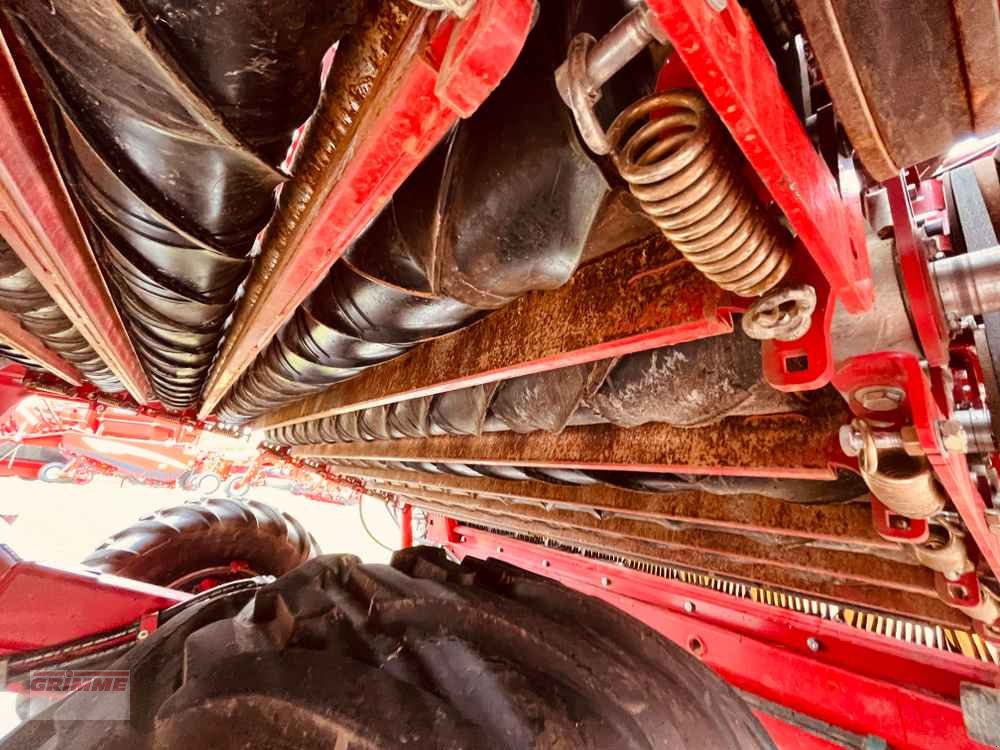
(898, 528)
(591, 63)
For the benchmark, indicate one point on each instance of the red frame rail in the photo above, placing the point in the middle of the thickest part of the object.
(37, 219)
(461, 64)
(851, 679)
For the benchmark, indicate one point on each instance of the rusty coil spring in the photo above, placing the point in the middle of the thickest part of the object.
(685, 172)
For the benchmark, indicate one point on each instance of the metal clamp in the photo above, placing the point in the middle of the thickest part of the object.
(590, 63)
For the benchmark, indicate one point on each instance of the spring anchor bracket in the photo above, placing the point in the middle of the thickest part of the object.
(591, 63)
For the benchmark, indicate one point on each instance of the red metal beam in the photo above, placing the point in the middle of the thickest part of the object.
(641, 297)
(422, 87)
(14, 335)
(858, 681)
(37, 219)
(863, 580)
(726, 56)
(406, 526)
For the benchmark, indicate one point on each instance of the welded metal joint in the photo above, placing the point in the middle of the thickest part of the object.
(590, 63)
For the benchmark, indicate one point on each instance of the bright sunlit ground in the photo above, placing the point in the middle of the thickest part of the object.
(62, 523)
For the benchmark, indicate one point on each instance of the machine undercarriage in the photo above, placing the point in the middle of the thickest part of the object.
(631, 295)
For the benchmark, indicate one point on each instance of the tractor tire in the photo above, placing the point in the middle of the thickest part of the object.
(234, 489)
(52, 473)
(423, 654)
(172, 546)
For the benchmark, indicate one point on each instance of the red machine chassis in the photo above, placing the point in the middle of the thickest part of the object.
(814, 684)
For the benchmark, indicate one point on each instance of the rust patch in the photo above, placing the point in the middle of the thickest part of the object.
(736, 446)
(611, 306)
(843, 523)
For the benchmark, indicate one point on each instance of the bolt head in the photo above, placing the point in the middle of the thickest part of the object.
(813, 643)
(880, 398)
(605, 581)
(142, 635)
(850, 440)
(953, 436)
(545, 563)
(689, 607)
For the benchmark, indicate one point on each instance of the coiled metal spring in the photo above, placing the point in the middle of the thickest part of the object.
(685, 172)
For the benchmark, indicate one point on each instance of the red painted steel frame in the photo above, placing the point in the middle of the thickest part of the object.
(951, 468)
(406, 526)
(43, 605)
(434, 93)
(859, 681)
(915, 272)
(726, 56)
(14, 335)
(38, 221)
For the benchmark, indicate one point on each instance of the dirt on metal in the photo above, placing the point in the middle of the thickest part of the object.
(925, 606)
(846, 523)
(637, 298)
(798, 445)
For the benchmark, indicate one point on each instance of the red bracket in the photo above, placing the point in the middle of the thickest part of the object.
(148, 624)
(961, 592)
(726, 56)
(914, 267)
(805, 364)
(924, 411)
(897, 528)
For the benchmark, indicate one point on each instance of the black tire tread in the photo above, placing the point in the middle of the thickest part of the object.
(425, 653)
(175, 541)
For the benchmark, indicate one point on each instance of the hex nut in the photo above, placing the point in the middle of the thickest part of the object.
(880, 398)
